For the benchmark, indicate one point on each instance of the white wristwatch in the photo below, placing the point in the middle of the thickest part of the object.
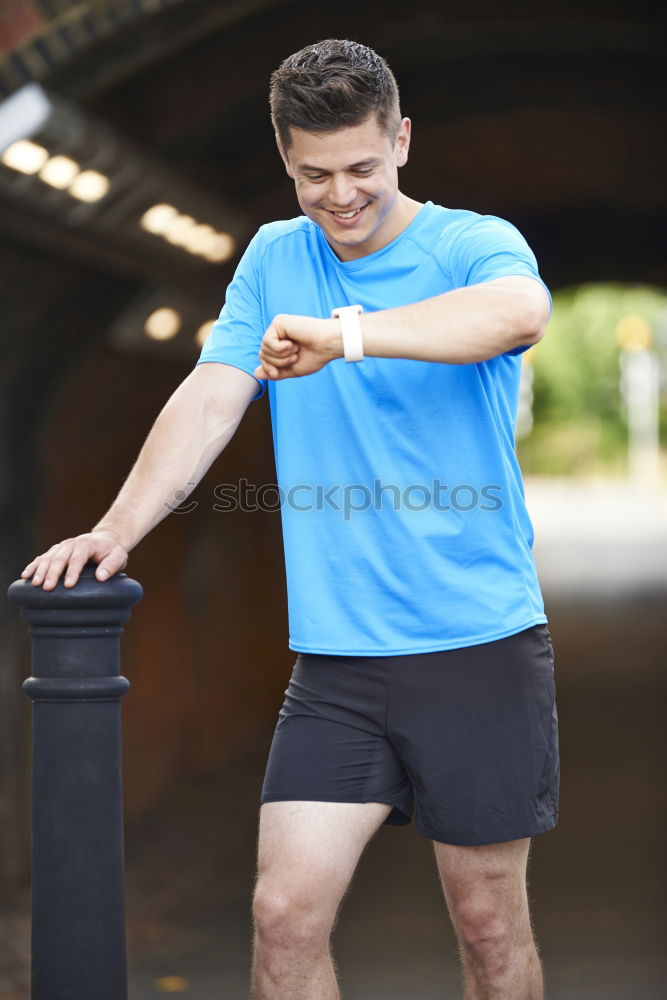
(350, 328)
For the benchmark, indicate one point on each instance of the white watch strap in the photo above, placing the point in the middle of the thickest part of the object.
(350, 328)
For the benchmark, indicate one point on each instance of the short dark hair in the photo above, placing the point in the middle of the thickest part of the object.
(330, 85)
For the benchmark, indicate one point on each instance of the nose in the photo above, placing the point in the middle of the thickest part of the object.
(342, 190)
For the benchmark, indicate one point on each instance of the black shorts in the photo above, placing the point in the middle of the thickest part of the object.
(467, 738)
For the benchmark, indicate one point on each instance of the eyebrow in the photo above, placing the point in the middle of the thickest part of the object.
(308, 168)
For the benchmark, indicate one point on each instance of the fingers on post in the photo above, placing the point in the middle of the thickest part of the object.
(71, 555)
(30, 568)
(114, 562)
(83, 549)
(37, 568)
(52, 563)
(109, 555)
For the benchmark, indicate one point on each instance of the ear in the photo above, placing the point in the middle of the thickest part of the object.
(403, 141)
(284, 158)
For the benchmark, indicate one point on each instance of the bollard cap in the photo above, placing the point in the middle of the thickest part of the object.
(119, 591)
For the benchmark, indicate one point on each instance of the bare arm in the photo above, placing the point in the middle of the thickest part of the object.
(463, 326)
(459, 327)
(194, 426)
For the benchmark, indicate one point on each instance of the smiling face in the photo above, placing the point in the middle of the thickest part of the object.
(347, 182)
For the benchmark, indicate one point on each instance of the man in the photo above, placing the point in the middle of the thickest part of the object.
(425, 676)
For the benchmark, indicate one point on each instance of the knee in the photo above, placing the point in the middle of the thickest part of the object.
(286, 918)
(484, 935)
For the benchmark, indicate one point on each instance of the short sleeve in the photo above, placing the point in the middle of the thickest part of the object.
(488, 248)
(236, 336)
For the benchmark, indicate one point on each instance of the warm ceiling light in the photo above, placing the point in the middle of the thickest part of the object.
(59, 172)
(177, 229)
(199, 239)
(184, 231)
(163, 324)
(221, 248)
(156, 219)
(203, 332)
(25, 156)
(89, 186)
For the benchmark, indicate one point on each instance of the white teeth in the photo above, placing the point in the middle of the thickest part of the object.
(347, 215)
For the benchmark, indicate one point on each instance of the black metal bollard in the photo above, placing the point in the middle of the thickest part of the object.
(78, 880)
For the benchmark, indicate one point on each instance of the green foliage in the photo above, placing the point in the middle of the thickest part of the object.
(579, 424)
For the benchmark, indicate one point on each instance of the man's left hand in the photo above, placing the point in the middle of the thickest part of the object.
(298, 345)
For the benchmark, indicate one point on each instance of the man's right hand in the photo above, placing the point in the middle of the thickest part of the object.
(72, 554)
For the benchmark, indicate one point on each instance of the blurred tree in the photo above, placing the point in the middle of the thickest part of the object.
(578, 419)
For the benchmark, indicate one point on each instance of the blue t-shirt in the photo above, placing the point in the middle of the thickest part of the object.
(404, 522)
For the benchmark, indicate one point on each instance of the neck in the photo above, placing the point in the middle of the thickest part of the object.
(403, 212)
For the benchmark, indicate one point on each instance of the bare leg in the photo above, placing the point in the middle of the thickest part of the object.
(486, 892)
(308, 852)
